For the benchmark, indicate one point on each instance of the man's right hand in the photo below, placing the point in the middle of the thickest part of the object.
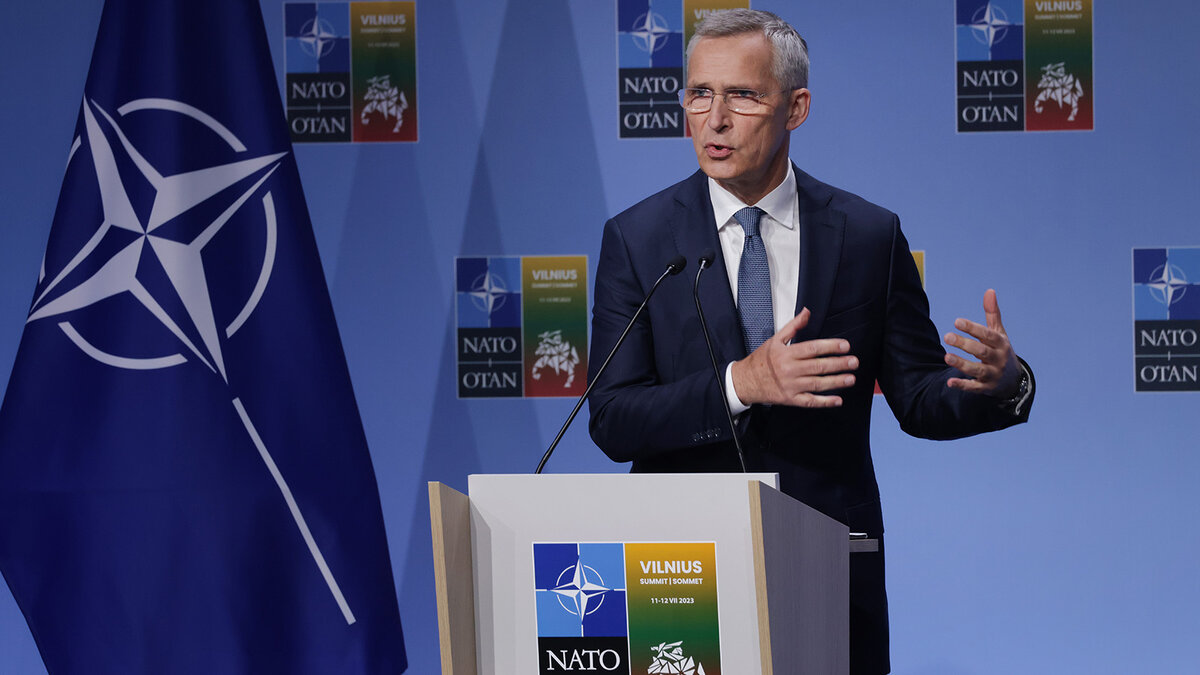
(780, 373)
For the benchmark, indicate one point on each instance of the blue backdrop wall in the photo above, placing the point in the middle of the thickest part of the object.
(1064, 546)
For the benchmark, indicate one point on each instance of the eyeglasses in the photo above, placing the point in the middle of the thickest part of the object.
(744, 101)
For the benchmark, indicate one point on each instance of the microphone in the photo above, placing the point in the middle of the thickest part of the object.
(705, 260)
(674, 266)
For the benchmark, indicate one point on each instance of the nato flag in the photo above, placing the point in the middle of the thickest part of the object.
(185, 485)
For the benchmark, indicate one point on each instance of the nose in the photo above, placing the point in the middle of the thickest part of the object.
(718, 114)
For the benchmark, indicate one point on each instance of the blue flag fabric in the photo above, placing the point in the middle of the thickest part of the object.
(185, 485)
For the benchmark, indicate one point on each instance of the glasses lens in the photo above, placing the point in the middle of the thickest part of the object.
(695, 100)
(743, 100)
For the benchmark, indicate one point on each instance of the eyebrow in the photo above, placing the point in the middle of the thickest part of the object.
(737, 87)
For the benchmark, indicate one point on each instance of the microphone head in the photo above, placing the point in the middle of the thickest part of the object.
(706, 258)
(675, 265)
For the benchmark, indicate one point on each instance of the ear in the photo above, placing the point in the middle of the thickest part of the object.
(798, 108)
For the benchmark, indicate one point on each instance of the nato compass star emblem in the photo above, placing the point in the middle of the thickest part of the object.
(317, 37)
(1167, 284)
(488, 293)
(154, 254)
(990, 25)
(137, 236)
(650, 32)
(580, 590)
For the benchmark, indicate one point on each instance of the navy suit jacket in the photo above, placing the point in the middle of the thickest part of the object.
(659, 405)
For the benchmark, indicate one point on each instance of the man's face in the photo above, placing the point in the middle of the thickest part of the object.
(745, 154)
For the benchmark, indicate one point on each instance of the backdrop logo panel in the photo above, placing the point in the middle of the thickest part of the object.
(1024, 65)
(1166, 318)
(651, 38)
(635, 608)
(522, 326)
(351, 71)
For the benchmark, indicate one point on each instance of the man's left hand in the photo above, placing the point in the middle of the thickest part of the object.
(996, 373)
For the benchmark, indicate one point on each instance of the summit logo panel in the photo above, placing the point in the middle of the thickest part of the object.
(652, 38)
(351, 71)
(522, 326)
(1024, 65)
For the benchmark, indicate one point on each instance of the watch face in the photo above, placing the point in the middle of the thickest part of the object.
(1023, 386)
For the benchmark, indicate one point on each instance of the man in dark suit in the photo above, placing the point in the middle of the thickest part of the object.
(812, 298)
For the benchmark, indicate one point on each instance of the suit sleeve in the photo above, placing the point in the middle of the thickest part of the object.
(649, 401)
(913, 371)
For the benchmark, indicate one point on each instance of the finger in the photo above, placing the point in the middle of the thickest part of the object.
(826, 382)
(816, 401)
(973, 347)
(973, 369)
(793, 326)
(975, 329)
(991, 310)
(973, 386)
(827, 365)
(997, 339)
(811, 349)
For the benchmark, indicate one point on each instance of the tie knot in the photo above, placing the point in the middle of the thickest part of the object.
(748, 219)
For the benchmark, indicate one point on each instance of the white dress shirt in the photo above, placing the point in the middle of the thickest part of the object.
(780, 230)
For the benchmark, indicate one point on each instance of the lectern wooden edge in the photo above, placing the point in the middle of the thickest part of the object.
(450, 521)
(802, 564)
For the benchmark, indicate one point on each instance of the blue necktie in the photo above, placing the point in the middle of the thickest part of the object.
(754, 283)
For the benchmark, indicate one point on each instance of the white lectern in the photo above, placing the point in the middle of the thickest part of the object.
(779, 567)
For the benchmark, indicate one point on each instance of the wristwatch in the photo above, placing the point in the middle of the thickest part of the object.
(1016, 403)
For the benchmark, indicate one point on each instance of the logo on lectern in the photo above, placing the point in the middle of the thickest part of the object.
(580, 601)
(646, 607)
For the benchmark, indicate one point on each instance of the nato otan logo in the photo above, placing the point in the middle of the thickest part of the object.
(650, 68)
(991, 50)
(318, 89)
(579, 591)
(1166, 318)
(138, 263)
(488, 305)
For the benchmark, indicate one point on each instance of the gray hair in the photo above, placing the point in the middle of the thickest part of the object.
(789, 64)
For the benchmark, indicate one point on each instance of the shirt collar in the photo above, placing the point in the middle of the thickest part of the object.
(779, 204)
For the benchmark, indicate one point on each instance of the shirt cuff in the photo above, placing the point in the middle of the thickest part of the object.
(736, 407)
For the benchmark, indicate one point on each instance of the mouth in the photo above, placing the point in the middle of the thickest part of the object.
(717, 151)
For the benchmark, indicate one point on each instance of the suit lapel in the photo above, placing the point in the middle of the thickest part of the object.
(822, 233)
(695, 231)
